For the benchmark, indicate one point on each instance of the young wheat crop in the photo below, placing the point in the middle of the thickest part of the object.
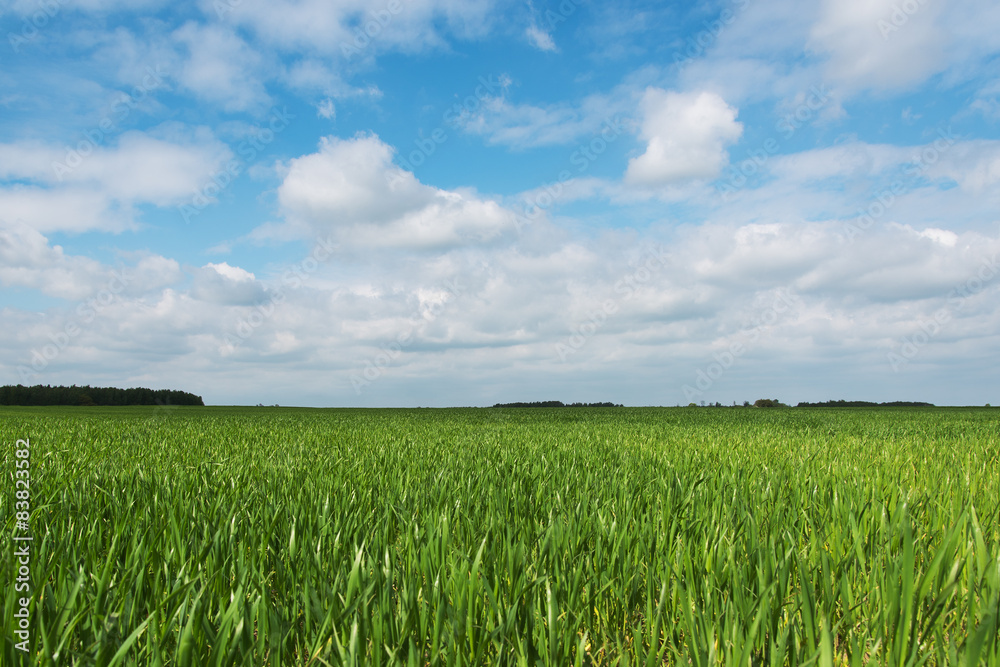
(509, 536)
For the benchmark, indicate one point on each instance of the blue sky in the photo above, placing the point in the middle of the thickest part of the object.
(443, 202)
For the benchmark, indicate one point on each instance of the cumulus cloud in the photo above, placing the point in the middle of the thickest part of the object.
(221, 67)
(226, 285)
(28, 259)
(785, 290)
(97, 187)
(350, 188)
(686, 134)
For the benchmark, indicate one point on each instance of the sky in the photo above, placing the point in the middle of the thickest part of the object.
(464, 202)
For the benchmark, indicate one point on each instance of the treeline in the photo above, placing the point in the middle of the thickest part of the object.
(864, 404)
(557, 404)
(87, 395)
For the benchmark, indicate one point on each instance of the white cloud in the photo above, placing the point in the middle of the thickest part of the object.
(30, 7)
(887, 45)
(988, 107)
(844, 179)
(779, 47)
(151, 273)
(878, 44)
(222, 68)
(528, 125)
(974, 165)
(942, 236)
(513, 305)
(686, 134)
(398, 241)
(231, 273)
(149, 169)
(27, 259)
(326, 109)
(938, 185)
(540, 39)
(850, 161)
(351, 188)
(72, 209)
(358, 29)
(756, 55)
(226, 285)
(987, 101)
(97, 186)
(522, 125)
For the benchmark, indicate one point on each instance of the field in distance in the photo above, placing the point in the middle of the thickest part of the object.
(252, 536)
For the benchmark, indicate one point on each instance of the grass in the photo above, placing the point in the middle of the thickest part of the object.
(221, 536)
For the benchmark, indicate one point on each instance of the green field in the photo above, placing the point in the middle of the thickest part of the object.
(693, 536)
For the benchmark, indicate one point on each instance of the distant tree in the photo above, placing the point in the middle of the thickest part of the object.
(864, 404)
(558, 404)
(768, 403)
(87, 396)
